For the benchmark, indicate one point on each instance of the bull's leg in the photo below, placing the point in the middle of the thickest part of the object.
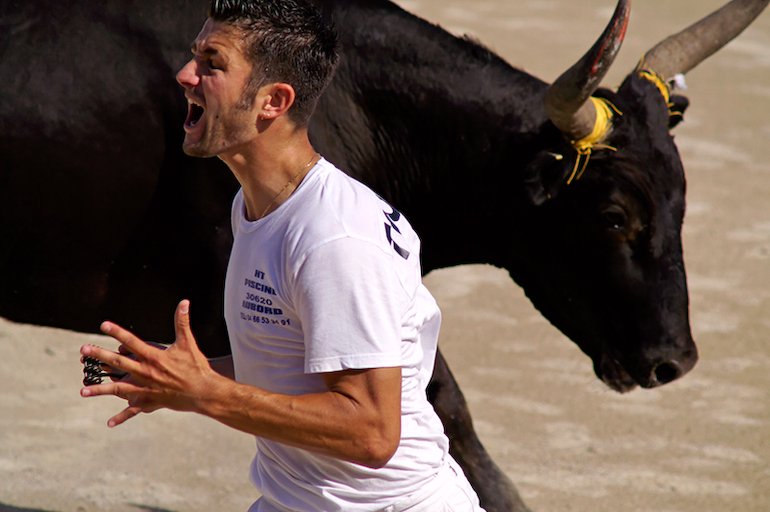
(496, 492)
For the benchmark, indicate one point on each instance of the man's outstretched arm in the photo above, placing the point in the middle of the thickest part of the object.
(358, 419)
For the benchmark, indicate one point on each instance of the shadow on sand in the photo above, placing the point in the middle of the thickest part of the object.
(9, 508)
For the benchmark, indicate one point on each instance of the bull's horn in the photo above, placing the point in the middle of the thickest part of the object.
(566, 101)
(683, 51)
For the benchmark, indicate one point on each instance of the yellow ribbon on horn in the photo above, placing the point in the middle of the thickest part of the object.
(659, 82)
(644, 71)
(605, 111)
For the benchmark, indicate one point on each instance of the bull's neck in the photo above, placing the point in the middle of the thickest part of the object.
(467, 202)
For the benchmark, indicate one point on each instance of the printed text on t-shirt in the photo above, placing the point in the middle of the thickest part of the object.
(258, 304)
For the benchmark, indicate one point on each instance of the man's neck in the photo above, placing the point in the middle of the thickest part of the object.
(270, 169)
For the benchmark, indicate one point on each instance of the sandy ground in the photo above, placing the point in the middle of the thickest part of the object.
(699, 444)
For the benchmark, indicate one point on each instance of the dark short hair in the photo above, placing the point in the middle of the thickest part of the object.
(286, 41)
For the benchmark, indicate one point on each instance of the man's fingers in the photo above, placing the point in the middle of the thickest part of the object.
(182, 323)
(151, 371)
(132, 344)
(119, 389)
(124, 390)
(123, 416)
(111, 361)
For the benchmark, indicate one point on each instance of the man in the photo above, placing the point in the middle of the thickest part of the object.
(333, 335)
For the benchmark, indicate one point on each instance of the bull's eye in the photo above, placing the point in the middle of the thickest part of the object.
(614, 218)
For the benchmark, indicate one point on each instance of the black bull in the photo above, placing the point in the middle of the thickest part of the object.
(102, 216)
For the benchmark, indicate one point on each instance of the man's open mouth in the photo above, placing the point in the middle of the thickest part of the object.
(194, 114)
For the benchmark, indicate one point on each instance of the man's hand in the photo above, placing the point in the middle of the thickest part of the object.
(174, 378)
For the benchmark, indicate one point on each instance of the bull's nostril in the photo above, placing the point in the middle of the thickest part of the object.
(667, 372)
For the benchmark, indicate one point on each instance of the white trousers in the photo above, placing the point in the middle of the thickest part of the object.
(448, 491)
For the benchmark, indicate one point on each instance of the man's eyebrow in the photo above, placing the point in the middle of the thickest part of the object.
(195, 49)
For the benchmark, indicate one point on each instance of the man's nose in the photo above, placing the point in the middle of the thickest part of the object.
(187, 76)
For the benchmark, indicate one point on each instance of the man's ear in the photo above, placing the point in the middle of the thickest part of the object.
(275, 99)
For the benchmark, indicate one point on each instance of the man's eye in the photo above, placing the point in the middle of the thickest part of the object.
(214, 65)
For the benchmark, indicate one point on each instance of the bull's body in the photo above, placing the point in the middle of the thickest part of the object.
(102, 216)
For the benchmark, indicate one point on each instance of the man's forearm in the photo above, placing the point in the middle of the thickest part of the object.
(341, 423)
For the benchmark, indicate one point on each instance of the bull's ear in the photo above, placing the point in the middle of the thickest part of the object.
(678, 104)
(544, 176)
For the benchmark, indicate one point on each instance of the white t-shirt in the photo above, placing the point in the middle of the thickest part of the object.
(330, 281)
